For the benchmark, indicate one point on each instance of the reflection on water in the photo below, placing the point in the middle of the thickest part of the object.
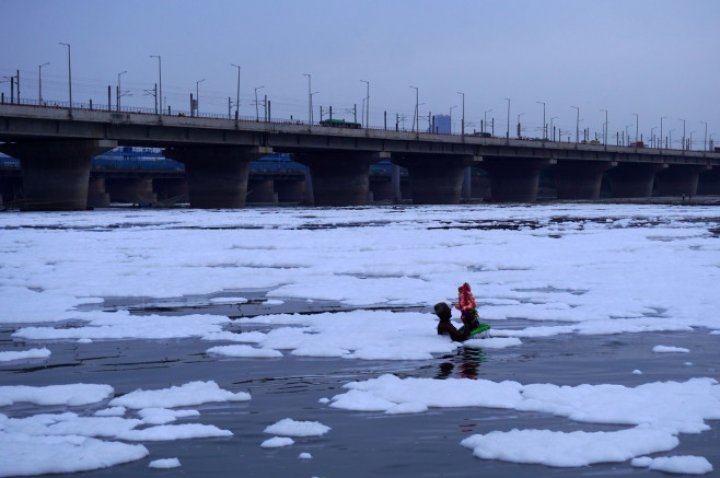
(465, 363)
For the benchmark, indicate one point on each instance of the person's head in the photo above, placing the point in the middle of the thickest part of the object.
(443, 311)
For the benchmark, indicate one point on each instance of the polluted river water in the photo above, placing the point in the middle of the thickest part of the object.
(301, 342)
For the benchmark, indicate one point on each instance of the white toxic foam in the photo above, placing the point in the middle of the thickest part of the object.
(682, 465)
(669, 349)
(7, 356)
(164, 463)
(290, 427)
(189, 394)
(71, 395)
(245, 351)
(277, 442)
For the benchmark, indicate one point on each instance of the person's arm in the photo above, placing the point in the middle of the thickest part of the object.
(455, 335)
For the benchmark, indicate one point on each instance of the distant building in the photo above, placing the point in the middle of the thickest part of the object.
(441, 124)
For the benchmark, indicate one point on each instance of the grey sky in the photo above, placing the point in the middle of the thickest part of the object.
(654, 57)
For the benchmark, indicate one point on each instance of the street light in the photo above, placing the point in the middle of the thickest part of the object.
(661, 130)
(69, 74)
(40, 99)
(507, 134)
(237, 92)
(683, 137)
(367, 103)
(462, 122)
(451, 109)
(705, 140)
(605, 128)
(257, 110)
(197, 96)
(518, 123)
(637, 127)
(416, 119)
(310, 110)
(119, 90)
(485, 119)
(577, 124)
(160, 99)
(552, 128)
(544, 126)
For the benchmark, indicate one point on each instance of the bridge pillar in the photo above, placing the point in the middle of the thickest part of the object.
(56, 174)
(435, 179)
(97, 195)
(261, 190)
(131, 190)
(290, 190)
(580, 179)
(382, 188)
(633, 180)
(679, 180)
(171, 190)
(339, 178)
(514, 179)
(709, 182)
(217, 175)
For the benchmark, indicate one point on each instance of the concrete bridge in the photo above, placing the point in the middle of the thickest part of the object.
(55, 146)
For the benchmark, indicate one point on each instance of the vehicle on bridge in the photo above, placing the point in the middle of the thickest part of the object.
(637, 144)
(340, 123)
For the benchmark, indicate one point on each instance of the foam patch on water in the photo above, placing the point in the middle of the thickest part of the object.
(40, 353)
(70, 395)
(295, 428)
(669, 349)
(245, 351)
(192, 393)
(277, 442)
(569, 449)
(164, 463)
(658, 411)
(682, 465)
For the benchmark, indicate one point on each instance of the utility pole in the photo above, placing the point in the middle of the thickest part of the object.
(705, 140)
(416, 119)
(310, 111)
(484, 126)
(197, 96)
(237, 92)
(637, 127)
(367, 103)
(257, 105)
(661, 130)
(462, 121)
(605, 128)
(160, 96)
(507, 134)
(544, 127)
(119, 90)
(577, 124)
(683, 138)
(40, 67)
(69, 75)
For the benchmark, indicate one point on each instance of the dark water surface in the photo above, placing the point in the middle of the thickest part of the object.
(360, 444)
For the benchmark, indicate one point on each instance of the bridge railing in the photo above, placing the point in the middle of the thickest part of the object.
(92, 106)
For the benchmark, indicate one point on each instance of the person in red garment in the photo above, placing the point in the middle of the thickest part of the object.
(468, 314)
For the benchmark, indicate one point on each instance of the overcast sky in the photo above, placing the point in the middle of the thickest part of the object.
(651, 57)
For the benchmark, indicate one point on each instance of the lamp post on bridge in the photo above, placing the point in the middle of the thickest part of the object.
(507, 134)
(416, 119)
(310, 110)
(519, 128)
(661, 131)
(257, 105)
(197, 96)
(544, 126)
(40, 67)
(705, 148)
(605, 127)
(462, 121)
(684, 146)
(160, 95)
(367, 102)
(69, 74)
(119, 90)
(451, 110)
(237, 92)
(485, 119)
(552, 128)
(577, 124)
(637, 127)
